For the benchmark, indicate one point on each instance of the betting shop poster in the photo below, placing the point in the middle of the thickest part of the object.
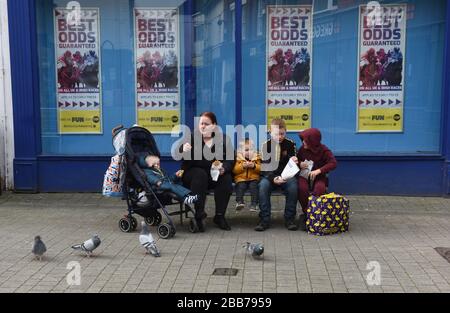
(289, 65)
(382, 41)
(77, 54)
(157, 68)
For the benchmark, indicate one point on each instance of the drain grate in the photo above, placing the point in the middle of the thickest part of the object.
(444, 252)
(225, 272)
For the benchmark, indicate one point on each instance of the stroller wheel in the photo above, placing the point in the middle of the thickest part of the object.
(133, 223)
(154, 219)
(193, 228)
(164, 231)
(125, 224)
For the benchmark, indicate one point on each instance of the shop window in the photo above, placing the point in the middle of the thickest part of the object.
(335, 65)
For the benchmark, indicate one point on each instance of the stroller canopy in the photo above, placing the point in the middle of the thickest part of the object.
(140, 141)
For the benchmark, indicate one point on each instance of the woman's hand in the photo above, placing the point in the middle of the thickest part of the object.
(187, 147)
(294, 158)
(179, 173)
(314, 174)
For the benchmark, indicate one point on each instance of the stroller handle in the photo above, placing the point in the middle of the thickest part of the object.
(115, 129)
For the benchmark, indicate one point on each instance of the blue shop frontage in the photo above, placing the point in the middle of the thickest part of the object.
(374, 77)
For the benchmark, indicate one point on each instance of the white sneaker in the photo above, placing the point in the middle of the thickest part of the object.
(240, 206)
(190, 199)
(142, 198)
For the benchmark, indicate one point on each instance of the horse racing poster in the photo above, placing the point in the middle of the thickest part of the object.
(157, 68)
(382, 42)
(77, 54)
(289, 65)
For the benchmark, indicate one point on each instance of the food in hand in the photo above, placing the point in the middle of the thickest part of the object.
(180, 173)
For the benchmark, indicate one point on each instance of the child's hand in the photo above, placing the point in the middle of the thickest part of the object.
(221, 171)
(294, 158)
(278, 180)
(303, 165)
(179, 173)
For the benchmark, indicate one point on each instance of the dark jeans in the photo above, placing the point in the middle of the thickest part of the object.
(242, 186)
(265, 190)
(199, 181)
(179, 190)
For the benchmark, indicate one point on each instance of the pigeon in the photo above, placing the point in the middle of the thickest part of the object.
(89, 245)
(255, 249)
(39, 248)
(147, 241)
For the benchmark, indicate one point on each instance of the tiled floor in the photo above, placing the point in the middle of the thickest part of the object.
(399, 233)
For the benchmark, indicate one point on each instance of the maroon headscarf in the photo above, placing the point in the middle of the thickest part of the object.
(312, 137)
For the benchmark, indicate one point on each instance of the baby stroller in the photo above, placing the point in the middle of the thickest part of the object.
(141, 198)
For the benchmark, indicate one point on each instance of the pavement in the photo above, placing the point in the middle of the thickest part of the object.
(389, 248)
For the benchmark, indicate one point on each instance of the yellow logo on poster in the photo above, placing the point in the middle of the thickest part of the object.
(80, 121)
(295, 118)
(380, 119)
(159, 121)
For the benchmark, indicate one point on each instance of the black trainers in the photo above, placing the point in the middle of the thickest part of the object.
(290, 225)
(200, 225)
(302, 222)
(262, 226)
(220, 221)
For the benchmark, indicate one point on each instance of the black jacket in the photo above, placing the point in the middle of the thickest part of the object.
(286, 150)
(204, 162)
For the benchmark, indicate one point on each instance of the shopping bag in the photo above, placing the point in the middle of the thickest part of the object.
(113, 180)
(119, 140)
(327, 214)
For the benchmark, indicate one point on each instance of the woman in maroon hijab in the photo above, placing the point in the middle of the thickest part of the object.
(324, 162)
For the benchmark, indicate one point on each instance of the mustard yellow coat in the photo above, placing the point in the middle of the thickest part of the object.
(246, 174)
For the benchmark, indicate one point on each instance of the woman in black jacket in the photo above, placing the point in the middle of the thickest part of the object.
(207, 146)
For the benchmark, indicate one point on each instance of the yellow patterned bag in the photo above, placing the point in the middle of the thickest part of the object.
(327, 214)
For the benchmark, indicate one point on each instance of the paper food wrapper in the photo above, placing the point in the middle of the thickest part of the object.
(290, 170)
(305, 172)
(215, 171)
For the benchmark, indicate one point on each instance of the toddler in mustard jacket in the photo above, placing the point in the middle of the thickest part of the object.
(246, 172)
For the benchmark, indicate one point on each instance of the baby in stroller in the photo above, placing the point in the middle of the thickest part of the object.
(159, 179)
(146, 187)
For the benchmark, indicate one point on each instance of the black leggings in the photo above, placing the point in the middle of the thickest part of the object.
(199, 181)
